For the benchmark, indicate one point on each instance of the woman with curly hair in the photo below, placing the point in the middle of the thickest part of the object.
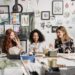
(11, 43)
(37, 41)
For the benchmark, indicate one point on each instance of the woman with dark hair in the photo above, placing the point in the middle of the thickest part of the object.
(11, 44)
(37, 41)
(64, 43)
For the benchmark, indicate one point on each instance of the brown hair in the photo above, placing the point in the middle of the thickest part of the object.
(7, 43)
(65, 36)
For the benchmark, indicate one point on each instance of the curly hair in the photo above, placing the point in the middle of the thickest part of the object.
(41, 36)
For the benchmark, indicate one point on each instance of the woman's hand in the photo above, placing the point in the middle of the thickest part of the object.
(18, 43)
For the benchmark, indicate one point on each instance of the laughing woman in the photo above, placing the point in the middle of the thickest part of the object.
(64, 42)
(37, 41)
(11, 44)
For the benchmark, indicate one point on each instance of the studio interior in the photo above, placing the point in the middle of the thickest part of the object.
(37, 37)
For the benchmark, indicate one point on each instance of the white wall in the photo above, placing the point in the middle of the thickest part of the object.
(67, 19)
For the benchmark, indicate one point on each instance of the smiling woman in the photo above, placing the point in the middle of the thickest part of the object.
(37, 41)
(11, 44)
(64, 43)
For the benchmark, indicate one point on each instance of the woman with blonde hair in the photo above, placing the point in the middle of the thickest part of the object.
(64, 42)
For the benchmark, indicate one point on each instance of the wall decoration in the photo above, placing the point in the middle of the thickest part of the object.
(57, 7)
(48, 26)
(17, 7)
(54, 29)
(8, 27)
(45, 15)
(16, 28)
(4, 9)
(15, 18)
(66, 5)
(27, 23)
(7, 1)
(52, 18)
(66, 14)
(24, 31)
(24, 20)
(4, 19)
(1, 29)
(43, 25)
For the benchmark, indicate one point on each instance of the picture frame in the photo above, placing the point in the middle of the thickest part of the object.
(16, 28)
(45, 15)
(24, 19)
(54, 29)
(4, 9)
(57, 7)
(1, 29)
(15, 18)
(24, 30)
(26, 27)
(4, 18)
(8, 27)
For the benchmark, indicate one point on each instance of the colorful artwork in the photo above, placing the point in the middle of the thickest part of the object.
(15, 18)
(8, 27)
(17, 28)
(4, 19)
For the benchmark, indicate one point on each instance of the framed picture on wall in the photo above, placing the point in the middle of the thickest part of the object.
(54, 29)
(8, 27)
(27, 23)
(24, 29)
(24, 19)
(4, 9)
(4, 18)
(57, 7)
(16, 28)
(15, 18)
(45, 15)
(1, 29)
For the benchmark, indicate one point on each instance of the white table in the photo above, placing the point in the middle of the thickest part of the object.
(25, 68)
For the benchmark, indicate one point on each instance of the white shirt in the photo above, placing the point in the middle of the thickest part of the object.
(39, 46)
(14, 50)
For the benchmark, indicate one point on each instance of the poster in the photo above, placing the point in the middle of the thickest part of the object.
(1, 29)
(57, 7)
(8, 27)
(24, 20)
(15, 18)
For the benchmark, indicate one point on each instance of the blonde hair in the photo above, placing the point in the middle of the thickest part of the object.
(65, 36)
